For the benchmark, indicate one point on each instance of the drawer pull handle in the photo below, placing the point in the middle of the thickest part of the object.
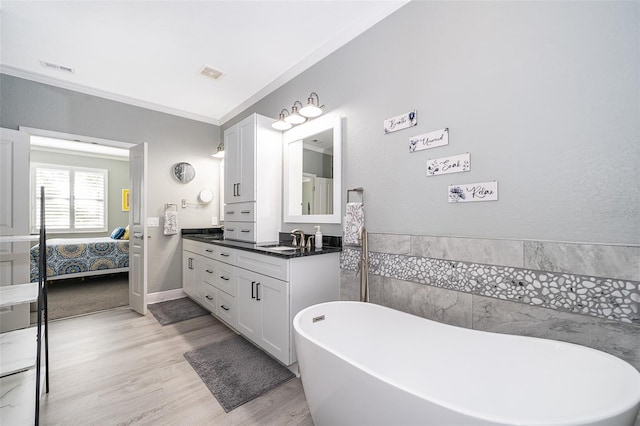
(231, 212)
(224, 254)
(208, 250)
(209, 271)
(224, 278)
(209, 297)
(257, 291)
(253, 295)
(224, 307)
(245, 211)
(245, 230)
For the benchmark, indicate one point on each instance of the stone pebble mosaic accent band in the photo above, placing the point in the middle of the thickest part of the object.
(599, 297)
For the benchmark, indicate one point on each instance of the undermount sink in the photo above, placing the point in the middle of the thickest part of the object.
(279, 248)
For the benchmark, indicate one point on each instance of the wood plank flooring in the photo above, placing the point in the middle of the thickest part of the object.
(119, 368)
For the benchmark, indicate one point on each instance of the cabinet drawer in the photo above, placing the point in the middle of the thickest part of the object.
(230, 230)
(209, 271)
(225, 278)
(240, 231)
(263, 264)
(210, 300)
(226, 308)
(204, 249)
(225, 255)
(240, 212)
(247, 232)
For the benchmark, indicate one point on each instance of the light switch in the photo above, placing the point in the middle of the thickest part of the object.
(214, 220)
(153, 222)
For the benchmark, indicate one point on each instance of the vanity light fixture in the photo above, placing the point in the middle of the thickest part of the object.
(299, 113)
(281, 124)
(295, 117)
(312, 109)
(219, 151)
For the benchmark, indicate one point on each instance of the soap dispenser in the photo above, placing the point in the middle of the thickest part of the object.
(318, 237)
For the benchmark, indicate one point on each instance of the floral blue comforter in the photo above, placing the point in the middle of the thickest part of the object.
(77, 255)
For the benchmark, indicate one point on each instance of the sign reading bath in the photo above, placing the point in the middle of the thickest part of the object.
(429, 140)
(446, 165)
(470, 192)
(402, 121)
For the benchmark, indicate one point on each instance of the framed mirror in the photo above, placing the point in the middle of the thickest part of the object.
(184, 172)
(313, 171)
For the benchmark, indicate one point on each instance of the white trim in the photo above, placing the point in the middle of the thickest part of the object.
(72, 137)
(161, 296)
(29, 75)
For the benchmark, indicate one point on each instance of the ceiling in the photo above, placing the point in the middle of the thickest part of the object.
(150, 53)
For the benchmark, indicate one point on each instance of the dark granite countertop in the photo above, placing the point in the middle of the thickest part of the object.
(211, 236)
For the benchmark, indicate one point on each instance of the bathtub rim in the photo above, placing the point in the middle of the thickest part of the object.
(489, 417)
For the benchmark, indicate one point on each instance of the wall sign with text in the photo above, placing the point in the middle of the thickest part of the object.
(429, 140)
(402, 121)
(471, 192)
(445, 165)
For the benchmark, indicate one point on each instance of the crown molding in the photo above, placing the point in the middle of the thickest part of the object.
(52, 81)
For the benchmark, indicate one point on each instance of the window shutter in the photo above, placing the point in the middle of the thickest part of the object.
(57, 195)
(88, 201)
(75, 198)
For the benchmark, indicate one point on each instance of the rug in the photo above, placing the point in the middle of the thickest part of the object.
(176, 310)
(235, 371)
(76, 296)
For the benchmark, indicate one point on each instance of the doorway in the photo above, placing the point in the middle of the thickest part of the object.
(90, 220)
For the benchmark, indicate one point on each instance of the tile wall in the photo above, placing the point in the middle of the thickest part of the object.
(587, 294)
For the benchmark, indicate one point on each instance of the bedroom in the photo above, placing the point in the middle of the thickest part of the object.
(88, 187)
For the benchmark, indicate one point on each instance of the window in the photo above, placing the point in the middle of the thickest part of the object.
(75, 198)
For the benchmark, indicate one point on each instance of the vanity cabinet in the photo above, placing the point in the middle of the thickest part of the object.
(257, 294)
(209, 280)
(253, 179)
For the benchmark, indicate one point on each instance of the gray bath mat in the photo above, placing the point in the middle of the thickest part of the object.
(176, 310)
(236, 372)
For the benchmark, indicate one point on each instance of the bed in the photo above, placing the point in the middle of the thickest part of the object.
(79, 257)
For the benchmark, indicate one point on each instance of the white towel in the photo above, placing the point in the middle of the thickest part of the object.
(352, 224)
(170, 221)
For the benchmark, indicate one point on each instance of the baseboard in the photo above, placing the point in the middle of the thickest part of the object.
(161, 296)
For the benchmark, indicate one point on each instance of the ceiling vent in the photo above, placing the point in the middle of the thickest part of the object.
(52, 66)
(211, 73)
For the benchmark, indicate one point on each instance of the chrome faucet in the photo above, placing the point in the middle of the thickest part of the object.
(295, 241)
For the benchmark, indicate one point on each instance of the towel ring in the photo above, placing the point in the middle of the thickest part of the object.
(359, 190)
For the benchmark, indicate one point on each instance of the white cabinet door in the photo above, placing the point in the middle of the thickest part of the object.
(273, 297)
(248, 307)
(246, 189)
(231, 161)
(192, 282)
(239, 146)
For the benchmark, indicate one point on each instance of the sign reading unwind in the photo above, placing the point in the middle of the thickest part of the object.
(429, 140)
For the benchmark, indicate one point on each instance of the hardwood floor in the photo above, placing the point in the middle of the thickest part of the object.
(120, 368)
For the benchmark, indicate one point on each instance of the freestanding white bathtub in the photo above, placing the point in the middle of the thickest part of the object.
(364, 364)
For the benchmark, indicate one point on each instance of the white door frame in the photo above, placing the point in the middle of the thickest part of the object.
(105, 142)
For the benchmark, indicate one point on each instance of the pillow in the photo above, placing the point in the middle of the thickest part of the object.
(117, 233)
(125, 235)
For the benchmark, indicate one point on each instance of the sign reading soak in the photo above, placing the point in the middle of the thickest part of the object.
(446, 165)
(429, 140)
(470, 192)
(402, 121)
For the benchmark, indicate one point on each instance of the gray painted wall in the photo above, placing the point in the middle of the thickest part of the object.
(170, 139)
(544, 95)
(118, 179)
